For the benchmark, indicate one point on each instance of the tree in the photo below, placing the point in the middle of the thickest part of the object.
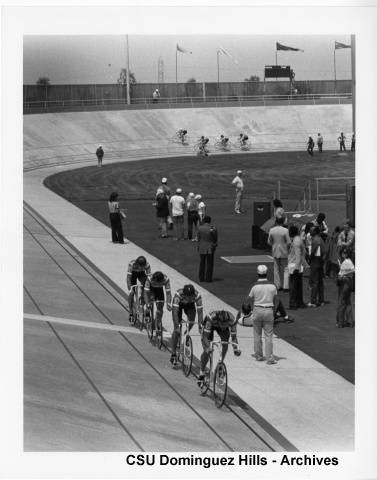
(43, 81)
(191, 80)
(253, 78)
(122, 80)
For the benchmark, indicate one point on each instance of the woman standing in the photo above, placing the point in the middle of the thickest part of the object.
(115, 219)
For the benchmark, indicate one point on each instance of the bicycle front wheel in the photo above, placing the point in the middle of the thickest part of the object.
(159, 334)
(149, 323)
(220, 384)
(141, 317)
(187, 354)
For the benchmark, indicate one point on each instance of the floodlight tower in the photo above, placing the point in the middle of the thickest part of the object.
(160, 70)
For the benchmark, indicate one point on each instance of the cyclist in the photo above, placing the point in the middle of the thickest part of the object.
(224, 323)
(224, 141)
(154, 292)
(138, 269)
(182, 134)
(187, 300)
(243, 138)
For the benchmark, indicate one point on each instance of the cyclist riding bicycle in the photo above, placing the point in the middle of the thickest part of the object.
(154, 292)
(224, 323)
(202, 145)
(187, 300)
(182, 134)
(243, 138)
(138, 269)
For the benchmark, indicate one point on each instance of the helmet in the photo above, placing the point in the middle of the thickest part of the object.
(221, 136)
(189, 290)
(223, 316)
(157, 277)
(141, 261)
(184, 131)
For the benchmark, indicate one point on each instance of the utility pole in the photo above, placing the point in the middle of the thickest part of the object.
(353, 73)
(128, 72)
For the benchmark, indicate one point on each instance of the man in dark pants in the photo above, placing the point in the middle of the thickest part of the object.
(342, 142)
(207, 238)
(100, 153)
(316, 258)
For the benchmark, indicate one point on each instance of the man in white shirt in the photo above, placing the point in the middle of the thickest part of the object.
(239, 185)
(178, 205)
(279, 240)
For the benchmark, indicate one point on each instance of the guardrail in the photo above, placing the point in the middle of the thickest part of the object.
(188, 101)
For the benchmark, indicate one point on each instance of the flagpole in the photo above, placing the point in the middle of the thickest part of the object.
(218, 72)
(128, 72)
(176, 71)
(353, 67)
(334, 70)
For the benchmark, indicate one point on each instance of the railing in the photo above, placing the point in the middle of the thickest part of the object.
(189, 101)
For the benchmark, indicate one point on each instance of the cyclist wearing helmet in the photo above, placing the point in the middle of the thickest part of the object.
(182, 134)
(138, 269)
(187, 300)
(224, 323)
(243, 139)
(154, 292)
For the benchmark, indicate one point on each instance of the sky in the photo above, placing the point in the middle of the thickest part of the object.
(99, 58)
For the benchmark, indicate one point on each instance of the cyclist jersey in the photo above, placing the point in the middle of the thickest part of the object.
(150, 284)
(215, 321)
(155, 290)
(134, 267)
(181, 299)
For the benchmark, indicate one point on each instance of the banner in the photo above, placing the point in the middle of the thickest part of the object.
(341, 45)
(182, 50)
(224, 52)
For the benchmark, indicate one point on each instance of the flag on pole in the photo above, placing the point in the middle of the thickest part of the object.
(341, 45)
(182, 50)
(279, 46)
(224, 52)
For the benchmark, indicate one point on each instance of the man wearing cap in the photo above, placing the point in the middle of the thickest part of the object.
(178, 205)
(238, 184)
(263, 300)
(207, 238)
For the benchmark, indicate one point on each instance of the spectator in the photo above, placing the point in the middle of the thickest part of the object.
(316, 260)
(192, 207)
(156, 95)
(346, 239)
(163, 187)
(162, 213)
(263, 300)
(99, 153)
(279, 210)
(323, 228)
(320, 142)
(296, 264)
(237, 182)
(177, 212)
(346, 285)
(310, 146)
(342, 142)
(332, 254)
(353, 141)
(279, 240)
(202, 208)
(207, 238)
(116, 215)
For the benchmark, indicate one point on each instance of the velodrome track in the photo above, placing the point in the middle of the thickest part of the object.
(88, 387)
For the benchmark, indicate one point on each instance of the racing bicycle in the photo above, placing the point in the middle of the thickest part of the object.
(154, 328)
(138, 306)
(184, 348)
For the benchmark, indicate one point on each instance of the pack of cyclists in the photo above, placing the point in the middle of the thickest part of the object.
(156, 290)
(223, 142)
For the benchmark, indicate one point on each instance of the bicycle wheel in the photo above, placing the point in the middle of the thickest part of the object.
(134, 312)
(141, 316)
(149, 323)
(159, 335)
(187, 354)
(220, 384)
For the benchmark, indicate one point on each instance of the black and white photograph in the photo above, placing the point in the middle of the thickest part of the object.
(191, 291)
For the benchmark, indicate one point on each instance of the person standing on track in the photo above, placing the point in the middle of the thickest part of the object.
(320, 142)
(115, 219)
(99, 153)
(263, 299)
(207, 238)
(279, 240)
(342, 142)
(138, 269)
(201, 208)
(178, 206)
(188, 300)
(225, 325)
(310, 146)
(192, 207)
(237, 182)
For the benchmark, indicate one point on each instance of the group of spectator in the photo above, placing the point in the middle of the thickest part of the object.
(341, 140)
(311, 247)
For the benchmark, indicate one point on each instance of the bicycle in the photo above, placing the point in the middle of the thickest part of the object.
(177, 138)
(154, 329)
(185, 349)
(244, 146)
(221, 146)
(138, 306)
(219, 377)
